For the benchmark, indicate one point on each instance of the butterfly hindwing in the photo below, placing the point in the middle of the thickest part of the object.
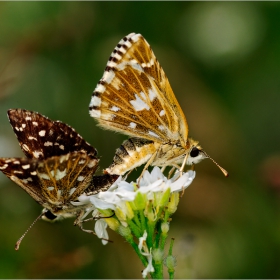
(52, 182)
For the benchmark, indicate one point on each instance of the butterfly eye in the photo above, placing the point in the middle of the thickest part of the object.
(194, 152)
(49, 215)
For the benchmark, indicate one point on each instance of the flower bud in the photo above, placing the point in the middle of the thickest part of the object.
(170, 263)
(165, 228)
(124, 231)
(139, 202)
(157, 255)
(173, 203)
(113, 223)
(164, 198)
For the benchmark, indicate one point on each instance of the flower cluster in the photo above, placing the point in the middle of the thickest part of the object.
(142, 213)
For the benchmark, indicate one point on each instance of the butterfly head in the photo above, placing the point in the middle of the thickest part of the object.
(196, 154)
(50, 217)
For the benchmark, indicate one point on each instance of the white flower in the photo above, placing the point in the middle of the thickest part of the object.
(150, 182)
(118, 196)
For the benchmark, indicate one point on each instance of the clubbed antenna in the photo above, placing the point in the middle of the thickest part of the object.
(19, 241)
(221, 168)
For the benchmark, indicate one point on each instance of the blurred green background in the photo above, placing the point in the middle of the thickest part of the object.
(223, 62)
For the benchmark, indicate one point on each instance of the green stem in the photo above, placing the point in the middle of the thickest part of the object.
(143, 220)
(158, 274)
(136, 219)
(158, 234)
(171, 271)
(150, 232)
(135, 230)
(136, 249)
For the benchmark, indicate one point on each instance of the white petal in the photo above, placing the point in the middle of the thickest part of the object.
(101, 204)
(101, 231)
(149, 267)
(142, 239)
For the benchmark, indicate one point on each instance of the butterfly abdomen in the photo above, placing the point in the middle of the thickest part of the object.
(131, 154)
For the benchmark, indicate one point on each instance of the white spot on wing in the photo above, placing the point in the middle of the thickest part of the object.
(80, 178)
(36, 154)
(153, 134)
(115, 109)
(152, 94)
(50, 188)
(139, 104)
(136, 65)
(23, 125)
(44, 176)
(33, 173)
(26, 166)
(161, 127)
(95, 113)
(35, 123)
(100, 88)
(48, 143)
(42, 133)
(91, 164)
(95, 101)
(60, 174)
(32, 138)
(25, 147)
(132, 125)
(28, 119)
(4, 166)
(109, 75)
(162, 113)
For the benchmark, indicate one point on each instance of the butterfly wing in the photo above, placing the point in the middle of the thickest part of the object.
(53, 182)
(134, 95)
(39, 137)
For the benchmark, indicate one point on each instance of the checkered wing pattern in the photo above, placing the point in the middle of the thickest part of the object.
(134, 95)
(60, 164)
(39, 137)
(52, 182)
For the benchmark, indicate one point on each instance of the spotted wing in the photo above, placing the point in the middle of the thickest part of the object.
(39, 137)
(53, 182)
(134, 95)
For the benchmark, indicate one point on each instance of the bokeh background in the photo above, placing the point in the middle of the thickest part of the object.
(223, 62)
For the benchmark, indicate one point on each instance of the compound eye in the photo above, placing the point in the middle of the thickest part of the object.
(50, 215)
(194, 152)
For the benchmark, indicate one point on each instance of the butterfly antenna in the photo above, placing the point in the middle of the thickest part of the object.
(19, 241)
(221, 168)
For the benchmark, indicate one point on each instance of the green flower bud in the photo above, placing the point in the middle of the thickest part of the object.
(124, 231)
(170, 263)
(165, 228)
(158, 255)
(173, 203)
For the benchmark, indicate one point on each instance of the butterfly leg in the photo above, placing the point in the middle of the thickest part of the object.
(183, 164)
(151, 159)
(171, 171)
(79, 222)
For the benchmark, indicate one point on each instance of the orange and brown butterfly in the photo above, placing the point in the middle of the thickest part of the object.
(134, 97)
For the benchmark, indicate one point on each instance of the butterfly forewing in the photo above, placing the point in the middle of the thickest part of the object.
(135, 97)
(40, 137)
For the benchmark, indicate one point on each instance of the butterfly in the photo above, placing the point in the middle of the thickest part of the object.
(59, 165)
(134, 97)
